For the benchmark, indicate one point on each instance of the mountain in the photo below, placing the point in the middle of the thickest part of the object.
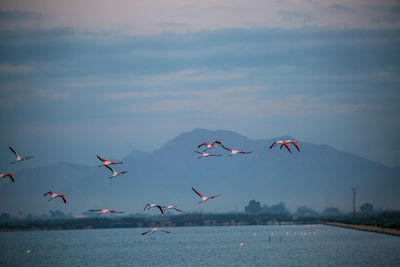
(317, 176)
(135, 154)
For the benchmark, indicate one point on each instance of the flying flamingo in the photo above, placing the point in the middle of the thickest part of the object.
(203, 198)
(171, 207)
(234, 152)
(54, 195)
(205, 155)
(282, 143)
(19, 158)
(292, 142)
(104, 211)
(7, 175)
(149, 206)
(155, 230)
(208, 146)
(115, 173)
(106, 162)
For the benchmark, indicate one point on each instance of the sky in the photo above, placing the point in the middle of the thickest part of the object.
(78, 78)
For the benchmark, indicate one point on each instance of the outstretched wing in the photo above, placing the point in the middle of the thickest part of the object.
(199, 152)
(216, 142)
(50, 192)
(95, 210)
(147, 232)
(64, 199)
(11, 176)
(295, 144)
(227, 148)
(160, 208)
(103, 160)
(274, 143)
(197, 192)
(111, 169)
(202, 144)
(175, 208)
(13, 151)
(113, 211)
(286, 146)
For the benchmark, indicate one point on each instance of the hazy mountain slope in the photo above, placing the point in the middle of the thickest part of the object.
(166, 176)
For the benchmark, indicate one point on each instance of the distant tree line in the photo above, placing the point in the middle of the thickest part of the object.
(255, 207)
(255, 214)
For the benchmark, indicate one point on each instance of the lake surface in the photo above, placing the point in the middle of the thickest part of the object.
(301, 245)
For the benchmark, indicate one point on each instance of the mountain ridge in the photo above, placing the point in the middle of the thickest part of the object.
(167, 174)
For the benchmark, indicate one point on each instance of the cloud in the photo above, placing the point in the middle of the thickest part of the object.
(204, 94)
(252, 104)
(250, 78)
(50, 94)
(157, 16)
(295, 16)
(206, 55)
(10, 68)
(186, 75)
(338, 8)
(11, 19)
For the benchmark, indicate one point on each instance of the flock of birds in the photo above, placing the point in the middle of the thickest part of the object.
(162, 209)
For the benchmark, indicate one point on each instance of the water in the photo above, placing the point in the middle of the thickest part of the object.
(201, 246)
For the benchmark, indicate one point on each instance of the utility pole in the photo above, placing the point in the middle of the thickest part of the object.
(326, 200)
(354, 201)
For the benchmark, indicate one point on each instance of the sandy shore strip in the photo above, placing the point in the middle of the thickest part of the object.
(368, 228)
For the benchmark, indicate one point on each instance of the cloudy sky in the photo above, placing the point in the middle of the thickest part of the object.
(79, 78)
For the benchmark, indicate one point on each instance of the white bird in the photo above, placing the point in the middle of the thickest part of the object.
(205, 155)
(171, 207)
(115, 173)
(104, 211)
(106, 162)
(149, 206)
(155, 230)
(19, 158)
(54, 195)
(7, 175)
(203, 198)
(234, 152)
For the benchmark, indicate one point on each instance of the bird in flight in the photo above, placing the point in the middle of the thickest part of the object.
(234, 152)
(115, 173)
(19, 158)
(54, 195)
(208, 146)
(203, 198)
(282, 143)
(155, 230)
(171, 207)
(106, 162)
(7, 175)
(205, 155)
(104, 211)
(149, 206)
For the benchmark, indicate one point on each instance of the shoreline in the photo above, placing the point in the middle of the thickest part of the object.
(367, 228)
